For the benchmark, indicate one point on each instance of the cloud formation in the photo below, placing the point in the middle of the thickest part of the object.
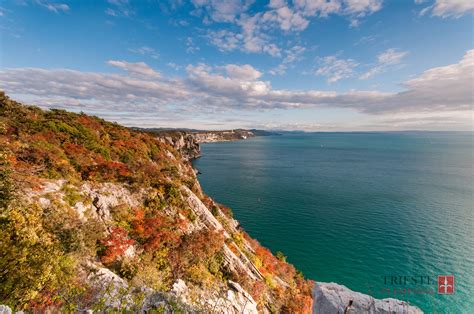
(134, 68)
(146, 51)
(253, 31)
(291, 56)
(385, 61)
(205, 88)
(335, 69)
(53, 6)
(448, 8)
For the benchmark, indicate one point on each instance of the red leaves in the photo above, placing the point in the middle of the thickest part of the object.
(153, 232)
(299, 304)
(116, 243)
(106, 170)
(72, 149)
(258, 290)
(89, 122)
(195, 248)
(43, 301)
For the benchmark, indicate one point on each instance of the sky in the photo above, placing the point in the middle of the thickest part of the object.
(309, 65)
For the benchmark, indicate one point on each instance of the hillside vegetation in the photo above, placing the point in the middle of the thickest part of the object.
(81, 198)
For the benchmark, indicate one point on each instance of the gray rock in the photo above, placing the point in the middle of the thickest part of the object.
(5, 309)
(233, 300)
(329, 298)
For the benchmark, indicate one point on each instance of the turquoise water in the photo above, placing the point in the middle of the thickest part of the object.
(354, 208)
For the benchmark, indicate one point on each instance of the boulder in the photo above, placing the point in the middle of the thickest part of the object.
(329, 298)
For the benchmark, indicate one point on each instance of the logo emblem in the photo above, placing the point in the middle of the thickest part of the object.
(445, 284)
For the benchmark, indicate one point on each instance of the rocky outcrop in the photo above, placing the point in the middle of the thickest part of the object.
(338, 299)
(104, 197)
(222, 136)
(235, 261)
(116, 294)
(232, 300)
(186, 144)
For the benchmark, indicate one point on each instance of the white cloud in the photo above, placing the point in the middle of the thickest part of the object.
(286, 18)
(134, 68)
(174, 66)
(448, 8)
(448, 86)
(354, 9)
(225, 40)
(291, 55)
(249, 39)
(146, 51)
(119, 8)
(242, 72)
(385, 61)
(53, 6)
(439, 92)
(279, 69)
(335, 69)
(191, 47)
(222, 11)
(257, 30)
(391, 56)
(360, 8)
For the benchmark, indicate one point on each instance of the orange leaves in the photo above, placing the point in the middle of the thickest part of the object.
(90, 122)
(44, 300)
(258, 290)
(72, 149)
(116, 243)
(65, 144)
(105, 170)
(153, 232)
(197, 247)
(299, 304)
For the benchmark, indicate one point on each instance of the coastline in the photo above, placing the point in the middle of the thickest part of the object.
(336, 298)
(139, 196)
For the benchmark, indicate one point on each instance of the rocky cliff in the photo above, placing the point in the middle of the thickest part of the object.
(335, 298)
(95, 216)
(187, 142)
(220, 136)
(98, 217)
(203, 136)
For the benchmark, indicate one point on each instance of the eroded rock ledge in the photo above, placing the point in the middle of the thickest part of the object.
(335, 298)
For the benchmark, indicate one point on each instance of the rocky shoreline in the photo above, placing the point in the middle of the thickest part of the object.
(335, 298)
(327, 297)
(116, 220)
(187, 143)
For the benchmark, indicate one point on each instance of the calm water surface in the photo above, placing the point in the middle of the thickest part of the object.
(355, 207)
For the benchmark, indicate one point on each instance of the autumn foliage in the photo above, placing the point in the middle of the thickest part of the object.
(115, 245)
(151, 244)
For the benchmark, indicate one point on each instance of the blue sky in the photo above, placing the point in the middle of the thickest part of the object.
(298, 65)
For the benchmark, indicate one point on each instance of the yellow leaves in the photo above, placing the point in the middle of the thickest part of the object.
(31, 258)
(199, 274)
(269, 281)
(153, 271)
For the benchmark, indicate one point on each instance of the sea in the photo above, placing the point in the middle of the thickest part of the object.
(386, 214)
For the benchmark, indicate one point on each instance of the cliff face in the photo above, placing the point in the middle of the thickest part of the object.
(334, 298)
(185, 143)
(97, 216)
(221, 136)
